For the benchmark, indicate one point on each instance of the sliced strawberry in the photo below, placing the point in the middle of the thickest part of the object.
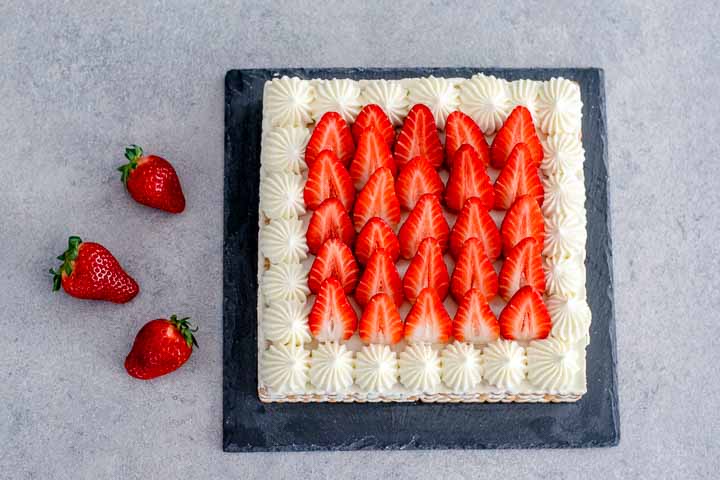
(468, 179)
(332, 318)
(331, 133)
(373, 116)
(334, 260)
(372, 153)
(517, 128)
(377, 199)
(518, 177)
(522, 266)
(473, 270)
(428, 321)
(330, 220)
(524, 219)
(525, 317)
(380, 321)
(475, 221)
(474, 321)
(374, 235)
(328, 178)
(416, 179)
(425, 220)
(427, 269)
(460, 129)
(419, 136)
(380, 276)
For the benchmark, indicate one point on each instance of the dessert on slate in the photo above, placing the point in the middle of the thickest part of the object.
(422, 239)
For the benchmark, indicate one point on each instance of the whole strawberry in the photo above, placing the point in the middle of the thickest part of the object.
(161, 346)
(152, 181)
(90, 271)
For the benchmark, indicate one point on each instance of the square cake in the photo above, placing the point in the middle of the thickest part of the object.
(422, 239)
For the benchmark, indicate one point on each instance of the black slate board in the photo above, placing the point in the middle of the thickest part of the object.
(249, 425)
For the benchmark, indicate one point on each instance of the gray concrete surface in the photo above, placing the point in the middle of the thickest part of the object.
(79, 80)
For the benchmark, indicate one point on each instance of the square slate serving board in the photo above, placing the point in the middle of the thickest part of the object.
(249, 425)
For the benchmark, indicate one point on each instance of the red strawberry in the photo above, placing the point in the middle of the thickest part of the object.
(377, 199)
(328, 178)
(152, 181)
(419, 136)
(332, 318)
(330, 220)
(161, 346)
(460, 129)
(474, 321)
(524, 219)
(468, 179)
(90, 271)
(380, 276)
(330, 133)
(473, 270)
(415, 180)
(428, 321)
(425, 220)
(475, 221)
(334, 260)
(373, 116)
(518, 177)
(380, 321)
(374, 235)
(372, 153)
(522, 266)
(525, 317)
(427, 269)
(517, 128)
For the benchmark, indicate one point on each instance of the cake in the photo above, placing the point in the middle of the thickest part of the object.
(422, 239)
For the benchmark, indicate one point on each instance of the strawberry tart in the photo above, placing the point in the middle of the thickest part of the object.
(422, 239)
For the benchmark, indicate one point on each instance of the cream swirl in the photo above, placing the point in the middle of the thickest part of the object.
(505, 364)
(559, 106)
(420, 368)
(284, 149)
(461, 367)
(283, 241)
(552, 364)
(286, 321)
(331, 367)
(281, 195)
(563, 153)
(285, 368)
(337, 95)
(438, 94)
(564, 276)
(486, 100)
(376, 368)
(391, 96)
(570, 317)
(287, 102)
(565, 235)
(525, 93)
(285, 281)
(564, 194)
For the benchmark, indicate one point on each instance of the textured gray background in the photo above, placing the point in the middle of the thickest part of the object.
(79, 80)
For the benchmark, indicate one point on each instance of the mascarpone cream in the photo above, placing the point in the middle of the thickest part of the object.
(505, 364)
(331, 367)
(285, 281)
(564, 276)
(285, 368)
(283, 149)
(337, 95)
(286, 321)
(461, 367)
(552, 364)
(563, 153)
(287, 102)
(438, 94)
(486, 99)
(391, 96)
(565, 235)
(420, 368)
(559, 106)
(376, 368)
(564, 194)
(281, 195)
(570, 317)
(283, 241)
(525, 93)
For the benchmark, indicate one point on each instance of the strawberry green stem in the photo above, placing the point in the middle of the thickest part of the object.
(184, 326)
(133, 153)
(68, 257)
